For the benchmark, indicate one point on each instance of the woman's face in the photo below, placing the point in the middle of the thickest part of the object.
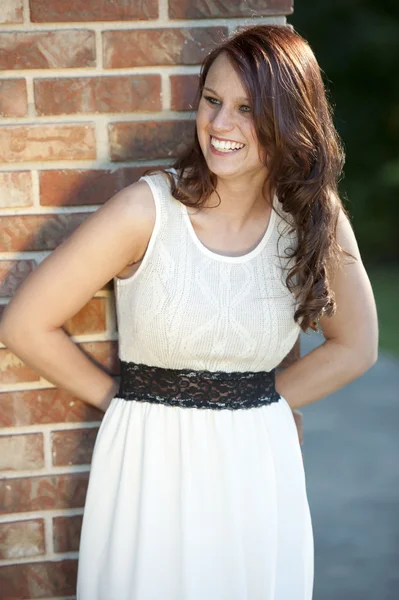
(224, 118)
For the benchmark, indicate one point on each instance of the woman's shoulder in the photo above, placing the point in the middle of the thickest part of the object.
(160, 181)
(134, 206)
(159, 173)
(135, 200)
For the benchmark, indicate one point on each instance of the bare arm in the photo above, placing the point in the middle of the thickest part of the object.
(65, 281)
(351, 345)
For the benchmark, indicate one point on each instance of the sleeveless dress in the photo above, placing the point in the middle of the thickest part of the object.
(187, 502)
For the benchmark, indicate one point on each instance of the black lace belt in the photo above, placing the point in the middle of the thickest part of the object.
(196, 389)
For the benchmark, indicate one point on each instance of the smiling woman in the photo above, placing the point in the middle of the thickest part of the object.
(263, 92)
(197, 485)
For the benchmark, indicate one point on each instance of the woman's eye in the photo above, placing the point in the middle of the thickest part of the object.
(244, 108)
(211, 100)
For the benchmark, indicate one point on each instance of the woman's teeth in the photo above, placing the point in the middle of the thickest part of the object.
(226, 146)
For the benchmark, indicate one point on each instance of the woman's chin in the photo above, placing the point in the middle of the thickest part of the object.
(217, 167)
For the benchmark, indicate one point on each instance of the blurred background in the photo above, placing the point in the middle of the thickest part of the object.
(357, 46)
(351, 442)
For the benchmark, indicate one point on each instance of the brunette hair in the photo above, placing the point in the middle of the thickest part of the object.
(293, 123)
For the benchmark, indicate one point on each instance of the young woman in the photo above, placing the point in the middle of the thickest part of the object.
(197, 487)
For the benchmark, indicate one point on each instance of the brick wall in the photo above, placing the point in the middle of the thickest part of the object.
(90, 94)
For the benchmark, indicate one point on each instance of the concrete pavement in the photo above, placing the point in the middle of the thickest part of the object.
(351, 454)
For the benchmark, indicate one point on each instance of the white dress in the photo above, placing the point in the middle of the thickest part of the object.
(189, 503)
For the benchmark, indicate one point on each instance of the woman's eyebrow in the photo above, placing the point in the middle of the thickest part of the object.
(216, 94)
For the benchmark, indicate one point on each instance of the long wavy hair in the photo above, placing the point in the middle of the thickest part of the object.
(293, 123)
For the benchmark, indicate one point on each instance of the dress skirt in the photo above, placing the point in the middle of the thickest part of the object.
(196, 504)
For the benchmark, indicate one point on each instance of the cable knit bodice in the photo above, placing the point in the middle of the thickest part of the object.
(187, 307)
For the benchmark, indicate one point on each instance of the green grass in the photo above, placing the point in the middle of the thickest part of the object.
(385, 283)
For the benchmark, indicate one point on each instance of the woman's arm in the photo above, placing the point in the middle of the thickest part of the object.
(351, 335)
(65, 281)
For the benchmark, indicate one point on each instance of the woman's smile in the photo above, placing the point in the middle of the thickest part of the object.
(222, 147)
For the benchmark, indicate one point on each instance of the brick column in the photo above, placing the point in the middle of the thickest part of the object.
(90, 94)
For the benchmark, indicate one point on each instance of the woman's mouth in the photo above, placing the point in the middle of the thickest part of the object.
(223, 147)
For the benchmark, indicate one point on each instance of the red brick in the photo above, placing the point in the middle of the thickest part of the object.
(187, 9)
(43, 492)
(37, 232)
(13, 99)
(22, 451)
(39, 580)
(12, 12)
(19, 539)
(47, 49)
(73, 446)
(43, 11)
(50, 405)
(15, 189)
(67, 533)
(71, 187)
(183, 89)
(139, 47)
(20, 143)
(140, 141)
(90, 319)
(14, 370)
(124, 93)
(12, 274)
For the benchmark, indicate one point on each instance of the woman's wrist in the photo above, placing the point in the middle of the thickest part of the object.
(111, 393)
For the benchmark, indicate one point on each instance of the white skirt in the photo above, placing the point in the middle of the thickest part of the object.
(196, 504)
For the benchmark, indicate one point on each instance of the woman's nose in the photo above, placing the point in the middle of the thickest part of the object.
(222, 120)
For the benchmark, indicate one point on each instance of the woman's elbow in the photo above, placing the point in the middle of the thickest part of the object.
(367, 356)
(13, 331)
